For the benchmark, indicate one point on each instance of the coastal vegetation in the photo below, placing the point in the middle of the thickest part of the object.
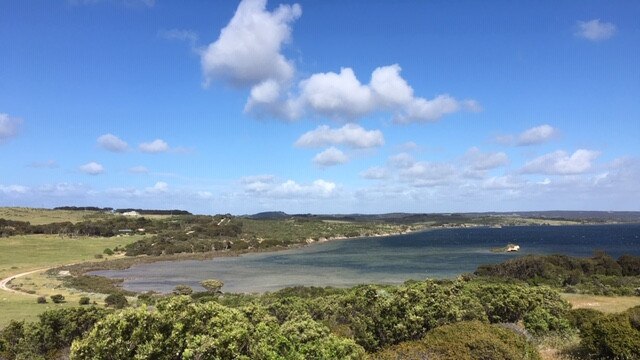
(503, 311)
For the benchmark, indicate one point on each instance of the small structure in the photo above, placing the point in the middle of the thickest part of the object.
(513, 248)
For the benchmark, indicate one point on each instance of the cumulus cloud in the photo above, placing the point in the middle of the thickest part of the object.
(424, 174)
(154, 147)
(401, 160)
(375, 173)
(159, 187)
(9, 127)
(533, 136)
(537, 135)
(477, 160)
(138, 170)
(561, 163)
(269, 186)
(330, 157)
(247, 52)
(342, 96)
(351, 135)
(92, 168)
(13, 189)
(112, 143)
(595, 30)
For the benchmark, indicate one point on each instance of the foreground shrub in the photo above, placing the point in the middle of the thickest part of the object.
(612, 336)
(464, 341)
(181, 329)
(44, 339)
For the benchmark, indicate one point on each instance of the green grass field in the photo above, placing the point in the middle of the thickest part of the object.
(46, 216)
(20, 254)
(606, 304)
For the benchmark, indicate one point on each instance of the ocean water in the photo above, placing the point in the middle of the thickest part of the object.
(443, 253)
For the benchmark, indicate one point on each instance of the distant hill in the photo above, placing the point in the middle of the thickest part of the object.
(269, 215)
(120, 211)
(589, 216)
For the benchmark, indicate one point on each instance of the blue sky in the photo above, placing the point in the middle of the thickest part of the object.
(320, 106)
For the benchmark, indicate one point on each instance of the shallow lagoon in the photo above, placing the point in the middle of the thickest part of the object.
(442, 253)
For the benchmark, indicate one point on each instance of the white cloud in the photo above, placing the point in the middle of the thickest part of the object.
(138, 170)
(113, 143)
(92, 168)
(159, 187)
(13, 189)
(537, 135)
(351, 135)
(338, 96)
(267, 186)
(502, 183)
(330, 157)
(561, 163)
(424, 173)
(478, 160)
(423, 110)
(401, 160)
(248, 49)
(375, 173)
(9, 127)
(342, 96)
(594, 30)
(154, 147)
(533, 136)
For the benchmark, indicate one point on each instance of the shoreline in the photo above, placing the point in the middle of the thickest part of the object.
(124, 263)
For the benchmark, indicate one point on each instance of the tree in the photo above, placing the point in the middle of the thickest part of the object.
(117, 301)
(57, 298)
(212, 285)
(182, 290)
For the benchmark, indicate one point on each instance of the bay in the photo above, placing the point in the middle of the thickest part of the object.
(441, 253)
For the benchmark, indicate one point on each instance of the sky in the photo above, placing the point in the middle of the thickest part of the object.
(320, 106)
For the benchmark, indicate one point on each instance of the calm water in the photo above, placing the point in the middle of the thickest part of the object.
(394, 259)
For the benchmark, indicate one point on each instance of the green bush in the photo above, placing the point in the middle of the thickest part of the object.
(464, 341)
(57, 298)
(182, 329)
(108, 251)
(41, 300)
(84, 300)
(182, 290)
(612, 336)
(117, 301)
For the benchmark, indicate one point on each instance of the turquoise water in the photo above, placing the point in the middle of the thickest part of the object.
(432, 254)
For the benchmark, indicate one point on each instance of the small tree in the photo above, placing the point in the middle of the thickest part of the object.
(84, 300)
(182, 290)
(212, 285)
(57, 298)
(117, 301)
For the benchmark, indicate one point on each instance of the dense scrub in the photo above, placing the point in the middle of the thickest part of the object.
(609, 336)
(51, 335)
(464, 341)
(599, 275)
(301, 323)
